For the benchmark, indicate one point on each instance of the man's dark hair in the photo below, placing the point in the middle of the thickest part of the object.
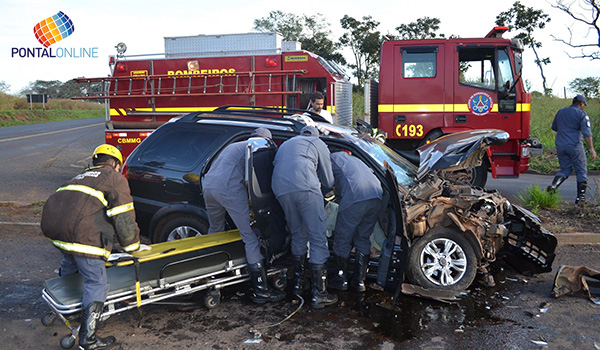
(104, 159)
(317, 95)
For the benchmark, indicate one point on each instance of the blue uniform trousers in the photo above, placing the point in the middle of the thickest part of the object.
(305, 216)
(572, 159)
(235, 204)
(93, 271)
(355, 224)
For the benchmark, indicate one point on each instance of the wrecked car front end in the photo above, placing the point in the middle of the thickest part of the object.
(455, 229)
(488, 221)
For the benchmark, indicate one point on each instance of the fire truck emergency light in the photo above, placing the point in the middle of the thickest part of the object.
(121, 48)
(271, 62)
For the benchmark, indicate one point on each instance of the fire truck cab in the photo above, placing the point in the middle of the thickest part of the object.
(429, 88)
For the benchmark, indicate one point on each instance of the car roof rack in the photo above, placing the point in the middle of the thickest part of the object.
(267, 111)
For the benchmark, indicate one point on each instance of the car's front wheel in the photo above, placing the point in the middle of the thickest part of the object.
(442, 259)
(179, 227)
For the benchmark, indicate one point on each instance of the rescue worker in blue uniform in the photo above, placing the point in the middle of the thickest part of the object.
(572, 125)
(360, 193)
(80, 219)
(225, 193)
(302, 170)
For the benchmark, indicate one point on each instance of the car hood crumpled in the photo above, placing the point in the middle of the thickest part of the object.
(459, 150)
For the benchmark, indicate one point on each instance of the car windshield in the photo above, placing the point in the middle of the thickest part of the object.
(404, 170)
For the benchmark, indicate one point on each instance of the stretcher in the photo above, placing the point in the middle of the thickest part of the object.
(203, 263)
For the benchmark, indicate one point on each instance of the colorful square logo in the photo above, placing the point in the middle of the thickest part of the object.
(53, 29)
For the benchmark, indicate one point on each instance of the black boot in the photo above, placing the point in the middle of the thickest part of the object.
(262, 292)
(360, 272)
(299, 262)
(581, 187)
(87, 331)
(558, 180)
(340, 280)
(320, 297)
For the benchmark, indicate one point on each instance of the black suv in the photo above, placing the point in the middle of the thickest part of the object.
(437, 231)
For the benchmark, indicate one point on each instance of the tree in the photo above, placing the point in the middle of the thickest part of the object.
(588, 14)
(287, 24)
(4, 87)
(423, 28)
(54, 88)
(527, 20)
(589, 87)
(312, 31)
(365, 42)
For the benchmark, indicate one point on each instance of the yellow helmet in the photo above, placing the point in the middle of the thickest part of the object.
(110, 150)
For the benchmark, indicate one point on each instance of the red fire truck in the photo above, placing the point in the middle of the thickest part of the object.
(428, 88)
(204, 72)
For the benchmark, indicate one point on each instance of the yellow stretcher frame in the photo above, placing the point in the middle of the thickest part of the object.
(181, 273)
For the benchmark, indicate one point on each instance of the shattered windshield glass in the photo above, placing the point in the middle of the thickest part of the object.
(405, 171)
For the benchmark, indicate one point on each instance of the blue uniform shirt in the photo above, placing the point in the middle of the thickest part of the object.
(354, 180)
(571, 125)
(227, 171)
(300, 164)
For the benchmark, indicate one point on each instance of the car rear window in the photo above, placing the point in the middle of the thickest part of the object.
(181, 148)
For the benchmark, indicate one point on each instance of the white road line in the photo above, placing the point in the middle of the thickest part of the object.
(48, 133)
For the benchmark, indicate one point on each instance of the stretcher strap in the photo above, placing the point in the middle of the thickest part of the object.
(138, 293)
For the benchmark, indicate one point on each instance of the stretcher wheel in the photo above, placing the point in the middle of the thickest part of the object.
(67, 341)
(279, 282)
(212, 299)
(49, 319)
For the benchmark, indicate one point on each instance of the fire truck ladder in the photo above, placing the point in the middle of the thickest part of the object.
(190, 85)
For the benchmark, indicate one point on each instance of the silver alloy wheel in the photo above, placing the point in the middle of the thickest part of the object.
(443, 262)
(183, 232)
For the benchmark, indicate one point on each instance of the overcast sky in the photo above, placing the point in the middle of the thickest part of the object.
(142, 25)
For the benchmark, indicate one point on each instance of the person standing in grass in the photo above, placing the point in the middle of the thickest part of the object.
(572, 125)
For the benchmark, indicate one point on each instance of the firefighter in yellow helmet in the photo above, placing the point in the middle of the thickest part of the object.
(81, 219)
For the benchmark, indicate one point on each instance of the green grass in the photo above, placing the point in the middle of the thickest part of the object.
(36, 116)
(534, 198)
(543, 110)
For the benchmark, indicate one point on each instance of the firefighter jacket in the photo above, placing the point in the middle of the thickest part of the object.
(83, 215)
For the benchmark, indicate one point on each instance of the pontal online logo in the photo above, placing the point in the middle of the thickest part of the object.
(50, 31)
(54, 29)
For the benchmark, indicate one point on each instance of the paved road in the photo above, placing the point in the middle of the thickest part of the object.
(511, 187)
(36, 159)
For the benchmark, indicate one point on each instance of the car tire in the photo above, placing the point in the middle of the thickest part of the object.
(179, 227)
(442, 259)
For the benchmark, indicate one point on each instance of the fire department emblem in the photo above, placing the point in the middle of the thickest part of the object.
(480, 103)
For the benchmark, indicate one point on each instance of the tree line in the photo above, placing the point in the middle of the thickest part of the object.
(364, 40)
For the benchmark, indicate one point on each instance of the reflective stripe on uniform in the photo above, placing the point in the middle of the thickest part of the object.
(87, 190)
(120, 209)
(81, 248)
(132, 247)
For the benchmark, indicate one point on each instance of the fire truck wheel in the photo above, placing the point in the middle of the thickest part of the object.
(442, 259)
(473, 176)
(480, 175)
(179, 227)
